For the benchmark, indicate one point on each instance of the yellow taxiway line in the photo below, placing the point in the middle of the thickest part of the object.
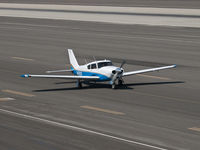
(166, 97)
(154, 77)
(18, 93)
(4, 99)
(195, 129)
(102, 110)
(21, 58)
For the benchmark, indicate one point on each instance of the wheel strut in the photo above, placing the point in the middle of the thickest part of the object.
(79, 84)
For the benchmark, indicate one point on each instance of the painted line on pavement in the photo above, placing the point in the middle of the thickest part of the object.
(103, 110)
(54, 123)
(4, 99)
(155, 77)
(18, 93)
(166, 97)
(195, 129)
(21, 58)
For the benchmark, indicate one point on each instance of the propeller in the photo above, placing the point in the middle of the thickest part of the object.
(117, 74)
(122, 64)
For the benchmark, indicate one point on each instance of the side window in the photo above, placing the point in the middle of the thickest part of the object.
(88, 66)
(93, 66)
(100, 65)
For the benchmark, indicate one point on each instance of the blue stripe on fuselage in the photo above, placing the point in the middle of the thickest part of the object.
(82, 73)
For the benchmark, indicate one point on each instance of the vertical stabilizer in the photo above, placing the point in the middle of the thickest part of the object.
(72, 59)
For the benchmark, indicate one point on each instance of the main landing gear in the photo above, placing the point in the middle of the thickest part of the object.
(79, 84)
(120, 82)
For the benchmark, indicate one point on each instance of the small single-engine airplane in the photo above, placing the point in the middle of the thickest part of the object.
(96, 71)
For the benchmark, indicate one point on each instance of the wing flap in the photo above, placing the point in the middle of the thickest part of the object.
(55, 71)
(147, 70)
(61, 76)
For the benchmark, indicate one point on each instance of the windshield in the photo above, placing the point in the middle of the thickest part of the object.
(103, 64)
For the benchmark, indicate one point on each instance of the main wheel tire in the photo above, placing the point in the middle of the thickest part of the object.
(120, 82)
(79, 84)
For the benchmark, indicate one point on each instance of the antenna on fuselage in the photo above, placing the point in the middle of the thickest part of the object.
(86, 61)
(94, 58)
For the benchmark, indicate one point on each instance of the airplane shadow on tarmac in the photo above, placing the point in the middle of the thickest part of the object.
(100, 85)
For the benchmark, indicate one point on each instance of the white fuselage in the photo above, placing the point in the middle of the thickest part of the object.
(103, 69)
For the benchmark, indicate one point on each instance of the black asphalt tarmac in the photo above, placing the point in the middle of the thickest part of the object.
(160, 108)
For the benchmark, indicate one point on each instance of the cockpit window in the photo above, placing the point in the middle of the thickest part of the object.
(93, 66)
(103, 64)
(88, 66)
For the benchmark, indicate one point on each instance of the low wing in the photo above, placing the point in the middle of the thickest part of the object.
(60, 76)
(53, 71)
(147, 70)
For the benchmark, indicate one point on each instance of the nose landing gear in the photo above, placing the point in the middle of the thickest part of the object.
(113, 86)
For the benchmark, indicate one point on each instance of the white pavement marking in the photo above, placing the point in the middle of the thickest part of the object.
(107, 9)
(78, 128)
(119, 15)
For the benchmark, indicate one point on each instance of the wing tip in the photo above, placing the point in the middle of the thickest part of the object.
(25, 76)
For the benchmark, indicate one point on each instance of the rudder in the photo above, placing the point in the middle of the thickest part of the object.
(72, 59)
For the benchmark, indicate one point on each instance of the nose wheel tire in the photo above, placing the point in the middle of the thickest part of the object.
(113, 86)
